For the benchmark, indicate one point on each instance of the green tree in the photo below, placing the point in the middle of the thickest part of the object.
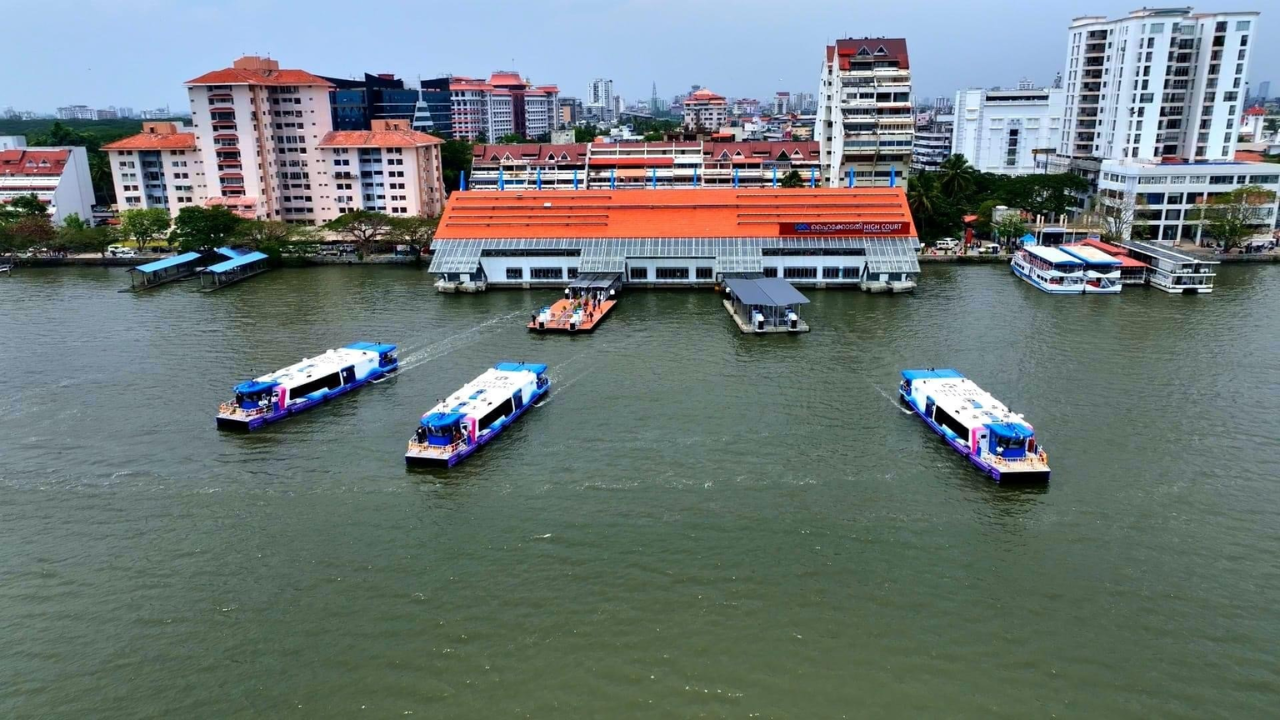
(1114, 218)
(363, 228)
(73, 222)
(587, 133)
(985, 212)
(84, 239)
(25, 205)
(416, 232)
(1011, 228)
(200, 228)
(1233, 217)
(33, 231)
(455, 159)
(511, 139)
(143, 226)
(935, 215)
(653, 137)
(956, 178)
(273, 237)
(792, 180)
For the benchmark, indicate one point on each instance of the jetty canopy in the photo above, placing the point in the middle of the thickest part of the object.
(167, 263)
(228, 265)
(765, 292)
(596, 281)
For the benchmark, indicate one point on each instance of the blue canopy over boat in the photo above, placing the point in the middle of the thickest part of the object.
(228, 265)
(441, 421)
(166, 263)
(1013, 431)
(509, 366)
(931, 374)
(379, 348)
(253, 386)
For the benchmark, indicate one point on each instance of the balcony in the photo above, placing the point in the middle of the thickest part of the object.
(1091, 87)
(223, 125)
(343, 176)
(1097, 48)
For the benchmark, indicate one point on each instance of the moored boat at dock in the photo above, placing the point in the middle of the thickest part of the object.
(476, 413)
(996, 440)
(1050, 270)
(300, 387)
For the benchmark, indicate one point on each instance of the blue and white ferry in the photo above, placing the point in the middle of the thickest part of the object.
(1101, 271)
(307, 384)
(999, 442)
(476, 413)
(1049, 269)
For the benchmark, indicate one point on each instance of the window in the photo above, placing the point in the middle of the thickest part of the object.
(1242, 25)
(800, 273)
(515, 273)
(544, 273)
(771, 272)
(1244, 41)
(639, 273)
(705, 273)
(573, 273)
(672, 273)
(830, 273)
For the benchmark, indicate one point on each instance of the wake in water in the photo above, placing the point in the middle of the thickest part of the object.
(412, 357)
(893, 399)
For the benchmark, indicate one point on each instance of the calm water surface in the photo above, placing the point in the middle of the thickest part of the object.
(698, 524)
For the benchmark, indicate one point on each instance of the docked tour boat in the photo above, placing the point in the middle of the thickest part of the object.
(476, 414)
(999, 442)
(1101, 271)
(307, 384)
(1050, 270)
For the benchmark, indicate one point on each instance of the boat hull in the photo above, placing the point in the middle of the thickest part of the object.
(234, 423)
(1000, 475)
(413, 459)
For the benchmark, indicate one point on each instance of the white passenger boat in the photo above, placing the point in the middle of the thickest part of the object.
(1050, 270)
(997, 441)
(476, 414)
(307, 384)
(1101, 271)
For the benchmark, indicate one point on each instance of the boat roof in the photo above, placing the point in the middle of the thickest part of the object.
(931, 373)
(166, 263)
(1053, 255)
(492, 388)
(769, 292)
(1091, 255)
(330, 361)
(1165, 253)
(968, 403)
(234, 263)
(379, 348)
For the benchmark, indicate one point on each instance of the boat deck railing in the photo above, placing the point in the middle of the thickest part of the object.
(230, 409)
(429, 449)
(1038, 461)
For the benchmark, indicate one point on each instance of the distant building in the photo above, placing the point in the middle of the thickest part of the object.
(160, 167)
(158, 114)
(354, 103)
(1253, 125)
(1264, 90)
(599, 102)
(781, 102)
(865, 117)
(413, 181)
(77, 112)
(932, 143)
(502, 105)
(1000, 131)
(126, 113)
(13, 142)
(570, 111)
(705, 110)
(57, 176)
(745, 106)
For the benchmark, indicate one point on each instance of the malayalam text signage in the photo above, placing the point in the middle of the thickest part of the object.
(897, 227)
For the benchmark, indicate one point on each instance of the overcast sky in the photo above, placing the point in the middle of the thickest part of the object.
(138, 53)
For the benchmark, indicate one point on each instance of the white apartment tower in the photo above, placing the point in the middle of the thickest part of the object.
(866, 122)
(1004, 131)
(1157, 83)
(600, 100)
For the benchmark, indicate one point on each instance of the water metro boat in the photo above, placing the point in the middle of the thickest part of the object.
(999, 442)
(1050, 270)
(302, 386)
(476, 413)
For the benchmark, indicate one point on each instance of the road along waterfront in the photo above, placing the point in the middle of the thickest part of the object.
(697, 522)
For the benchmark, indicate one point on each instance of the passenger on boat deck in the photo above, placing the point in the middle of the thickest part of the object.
(420, 434)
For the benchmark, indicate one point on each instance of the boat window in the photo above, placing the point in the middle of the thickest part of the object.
(943, 418)
(328, 382)
(505, 408)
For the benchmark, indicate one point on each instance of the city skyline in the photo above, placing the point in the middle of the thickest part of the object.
(91, 69)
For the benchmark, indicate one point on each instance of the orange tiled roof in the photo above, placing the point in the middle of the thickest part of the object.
(686, 213)
(378, 138)
(506, 78)
(33, 162)
(240, 76)
(154, 141)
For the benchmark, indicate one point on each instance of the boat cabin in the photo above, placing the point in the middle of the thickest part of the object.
(1101, 271)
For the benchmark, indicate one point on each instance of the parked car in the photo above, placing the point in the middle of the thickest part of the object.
(126, 253)
(115, 250)
(989, 249)
(946, 244)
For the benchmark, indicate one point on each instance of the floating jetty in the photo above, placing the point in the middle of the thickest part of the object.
(240, 267)
(764, 305)
(179, 267)
(586, 304)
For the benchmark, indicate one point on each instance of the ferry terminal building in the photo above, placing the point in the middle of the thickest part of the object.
(819, 237)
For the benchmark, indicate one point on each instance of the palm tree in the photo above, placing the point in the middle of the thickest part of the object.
(956, 177)
(924, 198)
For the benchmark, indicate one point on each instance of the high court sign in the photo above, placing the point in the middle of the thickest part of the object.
(896, 228)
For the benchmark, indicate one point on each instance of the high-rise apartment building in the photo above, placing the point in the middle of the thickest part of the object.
(705, 110)
(1156, 83)
(599, 100)
(932, 142)
(865, 122)
(160, 167)
(77, 112)
(1005, 131)
(502, 105)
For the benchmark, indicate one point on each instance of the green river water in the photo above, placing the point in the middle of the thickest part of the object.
(697, 524)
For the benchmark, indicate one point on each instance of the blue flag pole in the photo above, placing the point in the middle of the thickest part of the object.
(735, 177)
(775, 176)
(812, 178)
(539, 178)
(653, 178)
(893, 176)
(613, 180)
(695, 176)
(852, 180)
(502, 184)
(575, 178)
(462, 180)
